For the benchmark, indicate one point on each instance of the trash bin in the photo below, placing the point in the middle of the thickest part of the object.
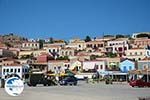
(2, 83)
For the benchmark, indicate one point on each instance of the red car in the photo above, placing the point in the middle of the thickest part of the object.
(140, 82)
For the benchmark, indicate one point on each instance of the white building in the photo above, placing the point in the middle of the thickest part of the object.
(136, 53)
(100, 65)
(58, 66)
(78, 45)
(17, 69)
(117, 46)
(30, 45)
(53, 49)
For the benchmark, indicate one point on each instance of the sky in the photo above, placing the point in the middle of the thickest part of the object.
(65, 19)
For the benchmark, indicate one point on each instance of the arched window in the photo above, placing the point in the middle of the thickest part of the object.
(62, 53)
(70, 53)
(66, 53)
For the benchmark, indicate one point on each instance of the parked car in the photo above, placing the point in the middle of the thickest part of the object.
(141, 82)
(69, 80)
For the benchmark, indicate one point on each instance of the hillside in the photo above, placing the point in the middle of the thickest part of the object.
(12, 40)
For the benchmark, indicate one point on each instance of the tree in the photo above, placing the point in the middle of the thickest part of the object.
(87, 39)
(108, 36)
(63, 58)
(41, 42)
(112, 55)
(8, 44)
(143, 35)
(120, 36)
(51, 40)
(93, 57)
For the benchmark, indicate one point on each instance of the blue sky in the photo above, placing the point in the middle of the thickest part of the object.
(66, 19)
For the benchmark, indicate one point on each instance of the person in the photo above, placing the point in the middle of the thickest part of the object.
(2, 83)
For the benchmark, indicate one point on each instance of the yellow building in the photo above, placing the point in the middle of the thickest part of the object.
(135, 53)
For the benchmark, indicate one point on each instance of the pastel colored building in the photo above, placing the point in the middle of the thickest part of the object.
(76, 64)
(112, 63)
(39, 52)
(95, 44)
(117, 46)
(142, 42)
(54, 50)
(58, 66)
(77, 44)
(136, 54)
(30, 45)
(126, 65)
(67, 52)
(144, 64)
(94, 65)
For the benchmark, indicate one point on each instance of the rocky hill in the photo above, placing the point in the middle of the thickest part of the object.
(12, 40)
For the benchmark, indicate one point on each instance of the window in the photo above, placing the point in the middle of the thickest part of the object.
(26, 70)
(141, 53)
(62, 53)
(11, 70)
(106, 67)
(59, 67)
(130, 53)
(79, 46)
(139, 58)
(3, 70)
(66, 53)
(124, 69)
(70, 53)
(7, 70)
(96, 67)
(101, 66)
(135, 53)
(130, 68)
(125, 48)
(18, 70)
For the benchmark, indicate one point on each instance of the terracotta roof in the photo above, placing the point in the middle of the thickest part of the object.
(94, 60)
(58, 61)
(82, 54)
(13, 65)
(68, 48)
(135, 48)
(94, 42)
(53, 46)
(146, 59)
(29, 42)
(143, 39)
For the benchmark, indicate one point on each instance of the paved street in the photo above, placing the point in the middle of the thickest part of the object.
(97, 91)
